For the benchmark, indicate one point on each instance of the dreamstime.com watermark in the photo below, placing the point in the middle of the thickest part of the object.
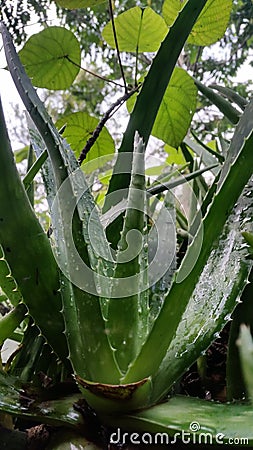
(193, 436)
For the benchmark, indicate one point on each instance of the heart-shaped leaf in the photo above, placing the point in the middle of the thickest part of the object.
(138, 30)
(52, 58)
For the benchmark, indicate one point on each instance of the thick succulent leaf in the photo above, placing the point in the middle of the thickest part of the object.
(245, 344)
(190, 420)
(81, 305)
(128, 307)
(72, 209)
(11, 321)
(138, 30)
(52, 58)
(75, 4)
(214, 298)
(23, 400)
(79, 127)
(163, 230)
(155, 84)
(157, 188)
(30, 259)
(222, 104)
(212, 23)
(7, 282)
(194, 262)
(231, 95)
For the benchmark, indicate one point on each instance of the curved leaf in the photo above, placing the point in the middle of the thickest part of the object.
(47, 58)
(138, 29)
(79, 127)
(176, 110)
(212, 23)
(191, 420)
(170, 10)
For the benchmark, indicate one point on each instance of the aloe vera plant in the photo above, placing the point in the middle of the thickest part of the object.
(100, 298)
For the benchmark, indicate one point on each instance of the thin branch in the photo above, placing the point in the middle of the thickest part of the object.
(102, 122)
(108, 80)
(117, 45)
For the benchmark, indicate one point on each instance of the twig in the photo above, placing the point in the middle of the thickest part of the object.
(108, 80)
(91, 141)
(117, 45)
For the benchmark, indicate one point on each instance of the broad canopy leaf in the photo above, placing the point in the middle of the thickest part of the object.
(52, 58)
(79, 128)
(176, 109)
(211, 24)
(138, 30)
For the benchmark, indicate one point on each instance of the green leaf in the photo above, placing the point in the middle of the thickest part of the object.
(138, 30)
(170, 10)
(213, 299)
(11, 321)
(75, 4)
(245, 344)
(79, 127)
(189, 419)
(175, 155)
(195, 259)
(212, 23)
(224, 106)
(155, 84)
(52, 58)
(127, 313)
(30, 259)
(176, 110)
(23, 400)
(21, 154)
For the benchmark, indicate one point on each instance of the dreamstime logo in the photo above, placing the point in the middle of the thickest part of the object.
(159, 243)
(194, 436)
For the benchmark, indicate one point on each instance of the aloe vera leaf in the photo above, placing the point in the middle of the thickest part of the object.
(208, 149)
(212, 302)
(30, 189)
(26, 401)
(189, 420)
(154, 86)
(90, 352)
(222, 104)
(11, 321)
(30, 258)
(128, 307)
(34, 169)
(158, 188)
(231, 95)
(190, 271)
(7, 282)
(82, 306)
(245, 344)
(200, 151)
(243, 129)
(243, 314)
(164, 229)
